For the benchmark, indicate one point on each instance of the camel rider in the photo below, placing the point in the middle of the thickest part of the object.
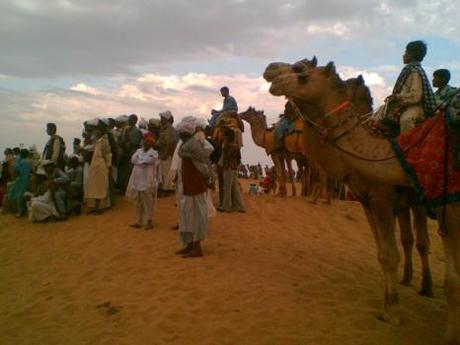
(229, 106)
(444, 92)
(448, 98)
(285, 124)
(412, 95)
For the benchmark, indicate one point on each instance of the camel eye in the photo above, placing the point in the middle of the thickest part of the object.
(297, 69)
(303, 78)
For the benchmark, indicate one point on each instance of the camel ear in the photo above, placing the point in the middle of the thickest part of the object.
(360, 79)
(330, 68)
(314, 61)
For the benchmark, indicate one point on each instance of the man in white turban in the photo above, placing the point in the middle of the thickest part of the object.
(166, 145)
(193, 177)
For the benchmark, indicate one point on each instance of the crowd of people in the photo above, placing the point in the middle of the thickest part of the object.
(145, 160)
(142, 160)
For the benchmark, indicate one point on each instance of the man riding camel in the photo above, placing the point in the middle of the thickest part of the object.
(412, 95)
(229, 106)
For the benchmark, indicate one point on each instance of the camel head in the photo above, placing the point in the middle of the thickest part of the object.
(310, 85)
(254, 117)
(276, 69)
(358, 93)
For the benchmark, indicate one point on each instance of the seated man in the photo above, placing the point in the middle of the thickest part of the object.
(412, 98)
(229, 106)
(444, 93)
(75, 186)
(52, 203)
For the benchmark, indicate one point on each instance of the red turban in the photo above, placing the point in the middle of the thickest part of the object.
(149, 137)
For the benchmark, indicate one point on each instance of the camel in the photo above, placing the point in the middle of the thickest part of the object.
(292, 149)
(360, 96)
(345, 149)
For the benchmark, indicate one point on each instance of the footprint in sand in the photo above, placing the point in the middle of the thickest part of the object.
(109, 309)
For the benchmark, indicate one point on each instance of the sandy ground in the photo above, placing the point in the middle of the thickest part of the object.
(286, 272)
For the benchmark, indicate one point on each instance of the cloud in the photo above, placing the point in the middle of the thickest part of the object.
(62, 38)
(82, 87)
(146, 95)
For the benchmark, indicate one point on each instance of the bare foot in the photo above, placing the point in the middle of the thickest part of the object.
(136, 226)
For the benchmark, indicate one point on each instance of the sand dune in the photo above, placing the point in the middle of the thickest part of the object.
(286, 272)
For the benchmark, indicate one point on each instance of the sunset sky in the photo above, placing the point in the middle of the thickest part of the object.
(67, 61)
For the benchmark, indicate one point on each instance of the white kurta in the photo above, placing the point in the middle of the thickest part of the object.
(41, 207)
(142, 184)
(411, 97)
(98, 173)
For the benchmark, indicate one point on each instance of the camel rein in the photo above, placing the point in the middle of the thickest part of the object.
(324, 131)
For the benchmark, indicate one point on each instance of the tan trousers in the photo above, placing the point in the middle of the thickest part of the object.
(144, 207)
(231, 199)
(165, 167)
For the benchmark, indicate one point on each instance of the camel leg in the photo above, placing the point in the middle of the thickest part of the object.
(279, 167)
(423, 248)
(407, 240)
(379, 211)
(291, 175)
(451, 244)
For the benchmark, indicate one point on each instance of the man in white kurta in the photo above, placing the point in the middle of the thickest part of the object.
(98, 174)
(142, 186)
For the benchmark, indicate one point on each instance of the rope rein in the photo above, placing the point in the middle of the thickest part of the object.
(359, 123)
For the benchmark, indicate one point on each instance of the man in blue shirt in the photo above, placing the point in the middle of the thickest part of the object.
(229, 105)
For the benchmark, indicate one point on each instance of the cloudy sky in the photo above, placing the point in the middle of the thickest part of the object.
(70, 60)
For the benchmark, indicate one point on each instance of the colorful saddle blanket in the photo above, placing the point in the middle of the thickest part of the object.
(422, 154)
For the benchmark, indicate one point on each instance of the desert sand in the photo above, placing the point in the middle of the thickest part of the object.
(286, 272)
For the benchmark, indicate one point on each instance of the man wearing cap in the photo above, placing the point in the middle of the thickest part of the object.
(192, 181)
(142, 186)
(130, 141)
(55, 147)
(166, 145)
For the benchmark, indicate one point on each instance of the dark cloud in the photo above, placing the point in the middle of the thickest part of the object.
(61, 38)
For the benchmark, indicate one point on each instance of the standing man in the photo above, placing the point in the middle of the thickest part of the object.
(444, 92)
(230, 161)
(166, 145)
(412, 93)
(194, 178)
(142, 183)
(130, 141)
(229, 106)
(55, 147)
(98, 197)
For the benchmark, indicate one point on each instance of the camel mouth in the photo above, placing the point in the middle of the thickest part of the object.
(276, 90)
(274, 70)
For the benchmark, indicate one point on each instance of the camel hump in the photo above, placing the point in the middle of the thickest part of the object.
(230, 119)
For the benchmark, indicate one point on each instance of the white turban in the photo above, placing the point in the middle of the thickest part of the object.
(93, 122)
(201, 123)
(166, 114)
(142, 123)
(187, 125)
(122, 118)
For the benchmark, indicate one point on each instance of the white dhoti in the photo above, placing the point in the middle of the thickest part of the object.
(145, 205)
(193, 218)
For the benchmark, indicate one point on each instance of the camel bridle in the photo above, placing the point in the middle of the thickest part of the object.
(325, 131)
